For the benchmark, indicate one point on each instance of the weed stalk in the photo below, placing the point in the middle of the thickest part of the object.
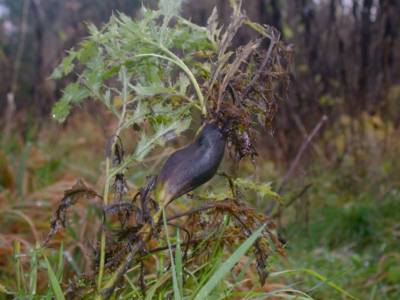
(110, 151)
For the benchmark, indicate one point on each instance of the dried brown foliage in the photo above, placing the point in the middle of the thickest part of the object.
(246, 83)
(71, 196)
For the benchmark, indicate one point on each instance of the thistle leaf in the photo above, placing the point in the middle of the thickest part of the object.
(61, 110)
(263, 189)
(147, 143)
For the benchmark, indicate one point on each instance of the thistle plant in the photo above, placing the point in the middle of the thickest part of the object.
(156, 74)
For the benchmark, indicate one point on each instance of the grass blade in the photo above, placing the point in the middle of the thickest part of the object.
(33, 274)
(319, 277)
(151, 294)
(18, 268)
(227, 265)
(178, 261)
(177, 293)
(245, 268)
(55, 285)
(21, 170)
(4, 291)
(60, 267)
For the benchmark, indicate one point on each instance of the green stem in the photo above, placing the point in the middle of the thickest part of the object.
(125, 82)
(17, 258)
(177, 61)
(191, 77)
(103, 236)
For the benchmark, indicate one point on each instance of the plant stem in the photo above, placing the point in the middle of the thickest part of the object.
(189, 73)
(125, 96)
(177, 61)
(17, 258)
(177, 294)
(103, 236)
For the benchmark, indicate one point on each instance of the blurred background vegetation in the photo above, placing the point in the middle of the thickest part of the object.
(342, 193)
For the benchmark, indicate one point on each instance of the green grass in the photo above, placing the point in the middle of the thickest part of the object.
(351, 236)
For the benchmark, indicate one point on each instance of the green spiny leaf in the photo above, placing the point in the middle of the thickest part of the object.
(152, 90)
(75, 93)
(264, 189)
(61, 110)
(146, 143)
(66, 66)
(88, 50)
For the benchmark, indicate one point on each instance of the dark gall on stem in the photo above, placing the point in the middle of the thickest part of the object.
(193, 165)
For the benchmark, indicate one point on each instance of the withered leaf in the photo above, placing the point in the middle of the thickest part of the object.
(71, 196)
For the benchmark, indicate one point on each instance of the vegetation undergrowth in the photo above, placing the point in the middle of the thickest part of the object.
(336, 247)
(345, 225)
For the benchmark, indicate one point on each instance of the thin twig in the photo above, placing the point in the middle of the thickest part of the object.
(193, 211)
(302, 149)
(173, 246)
(291, 200)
